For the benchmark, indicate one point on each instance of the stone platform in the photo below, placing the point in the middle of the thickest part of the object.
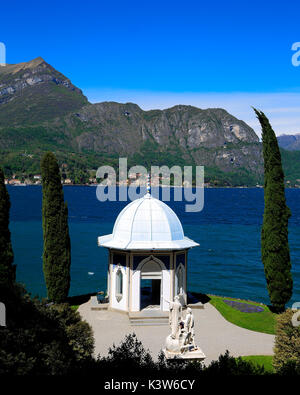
(213, 333)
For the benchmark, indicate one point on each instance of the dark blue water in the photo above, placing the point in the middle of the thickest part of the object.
(228, 230)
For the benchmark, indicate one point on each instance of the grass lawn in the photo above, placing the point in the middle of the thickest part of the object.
(260, 322)
(74, 307)
(265, 360)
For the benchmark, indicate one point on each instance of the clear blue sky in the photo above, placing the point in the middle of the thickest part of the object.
(167, 47)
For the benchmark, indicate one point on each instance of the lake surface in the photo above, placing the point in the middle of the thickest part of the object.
(227, 262)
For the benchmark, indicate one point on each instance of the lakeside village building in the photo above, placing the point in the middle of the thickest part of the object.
(148, 255)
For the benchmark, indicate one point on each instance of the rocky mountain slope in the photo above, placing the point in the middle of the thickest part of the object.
(40, 109)
(33, 92)
(210, 137)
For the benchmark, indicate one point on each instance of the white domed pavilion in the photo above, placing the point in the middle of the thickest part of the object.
(147, 257)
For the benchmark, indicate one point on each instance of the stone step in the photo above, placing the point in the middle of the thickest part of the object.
(149, 317)
(95, 305)
(149, 321)
(148, 324)
(197, 305)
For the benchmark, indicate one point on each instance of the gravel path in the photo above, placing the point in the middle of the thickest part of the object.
(214, 335)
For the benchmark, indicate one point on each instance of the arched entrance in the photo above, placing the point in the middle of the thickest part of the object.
(151, 285)
(150, 273)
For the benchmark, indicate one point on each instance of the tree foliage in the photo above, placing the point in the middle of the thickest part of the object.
(41, 338)
(57, 246)
(7, 269)
(274, 235)
(287, 343)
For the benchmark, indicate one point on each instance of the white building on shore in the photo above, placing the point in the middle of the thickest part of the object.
(148, 255)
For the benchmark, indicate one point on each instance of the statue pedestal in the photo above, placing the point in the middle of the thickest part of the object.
(195, 355)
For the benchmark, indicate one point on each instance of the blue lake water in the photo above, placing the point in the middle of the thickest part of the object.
(228, 229)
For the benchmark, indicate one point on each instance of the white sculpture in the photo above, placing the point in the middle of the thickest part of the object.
(181, 342)
(175, 317)
(189, 330)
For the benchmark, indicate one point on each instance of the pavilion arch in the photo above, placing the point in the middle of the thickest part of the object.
(150, 268)
(150, 259)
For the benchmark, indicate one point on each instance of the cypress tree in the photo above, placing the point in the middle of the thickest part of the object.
(7, 269)
(274, 235)
(57, 246)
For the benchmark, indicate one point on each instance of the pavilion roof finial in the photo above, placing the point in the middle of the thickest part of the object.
(148, 183)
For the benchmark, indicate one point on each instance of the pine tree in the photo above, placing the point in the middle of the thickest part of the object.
(7, 269)
(274, 235)
(57, 246)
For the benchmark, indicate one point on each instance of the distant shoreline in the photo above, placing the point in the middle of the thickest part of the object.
(161, 186)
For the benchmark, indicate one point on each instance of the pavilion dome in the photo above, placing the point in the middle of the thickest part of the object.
(147, 223)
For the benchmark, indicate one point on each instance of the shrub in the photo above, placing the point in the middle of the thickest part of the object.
(130, 355)
(227, 365)
(287, 343)
(40, 339)
(131, 359)
(78, 332)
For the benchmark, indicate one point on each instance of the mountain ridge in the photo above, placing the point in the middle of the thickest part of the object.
(40, 110)
(32, 92)
(290, 142)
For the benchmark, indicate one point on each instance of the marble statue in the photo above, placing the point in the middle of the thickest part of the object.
(175, 316)
(181, 342)
(189, 331)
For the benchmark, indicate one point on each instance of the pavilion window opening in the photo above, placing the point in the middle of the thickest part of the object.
(119, 285)
(179, 276)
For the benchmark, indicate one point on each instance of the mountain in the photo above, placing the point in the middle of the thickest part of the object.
(289, 142)
(40, 109)
(34, 92)
(210, 137)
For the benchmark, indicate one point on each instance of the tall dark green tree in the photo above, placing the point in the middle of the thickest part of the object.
(57, 246)
(274, 235)
(7, 269)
